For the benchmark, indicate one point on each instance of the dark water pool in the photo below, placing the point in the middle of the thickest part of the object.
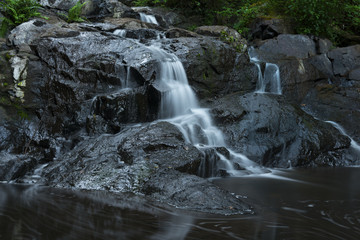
(293, 204)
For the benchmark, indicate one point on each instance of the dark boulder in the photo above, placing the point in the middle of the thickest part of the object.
(274, 133)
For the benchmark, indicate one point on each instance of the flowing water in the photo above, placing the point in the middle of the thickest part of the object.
(180, 107)
(148, 18)
(269, 77)
(322, 204)
(353, 143)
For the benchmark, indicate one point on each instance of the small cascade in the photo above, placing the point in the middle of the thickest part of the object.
(148, 18)
(120, 32)
(180, 107)
(353, 143)
(269, 79)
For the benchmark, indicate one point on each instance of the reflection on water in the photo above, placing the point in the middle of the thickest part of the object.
(316, 204)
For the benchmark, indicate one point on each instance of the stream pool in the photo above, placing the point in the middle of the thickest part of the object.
(290, 204)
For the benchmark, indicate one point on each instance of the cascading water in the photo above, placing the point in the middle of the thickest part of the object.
(180, 107)
(269, 81)
(148, 18)
(120, 32)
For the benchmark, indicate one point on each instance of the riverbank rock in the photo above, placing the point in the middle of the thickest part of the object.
(274, 133)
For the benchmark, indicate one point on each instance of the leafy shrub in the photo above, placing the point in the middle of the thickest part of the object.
(75, 12)
(16, 12)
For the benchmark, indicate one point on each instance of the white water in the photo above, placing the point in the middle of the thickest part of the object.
(120, 32)
(180, 107)
(269, 81)
(353, 143)
(148, 18)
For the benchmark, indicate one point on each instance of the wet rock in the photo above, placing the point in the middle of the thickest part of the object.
(178, 32)
(127, 106)
(78, 72)
(269, 28)
(27, 32)
(225, 34)
(274, 133)
(58, 4)
(93, 9)
(161, 144)
(131, 24)
(345, 59)
(142, 34)
(193, 193)
(217, 31)
(355, 74)
(287, 46)
(335, 103)
(299, 76)
(13, 167)
(124, 161)
(152, 159)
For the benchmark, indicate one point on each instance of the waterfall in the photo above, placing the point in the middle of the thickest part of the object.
(269, 81)
(353, 143)
(148, 18)
(180, 107)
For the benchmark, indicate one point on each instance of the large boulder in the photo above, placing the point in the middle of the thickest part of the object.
(287, 46)
(345, 59)
(274, 133)
(154, 160)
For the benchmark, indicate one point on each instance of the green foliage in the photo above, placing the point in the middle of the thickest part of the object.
(139, 3)
(16, 12)
(325, 18)
(75, 12)
(192, 27)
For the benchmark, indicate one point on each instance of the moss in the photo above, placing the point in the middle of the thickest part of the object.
(15, 107)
